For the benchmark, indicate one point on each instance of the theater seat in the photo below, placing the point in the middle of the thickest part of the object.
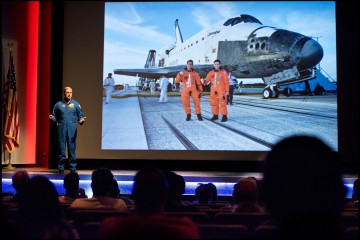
(250, 220)
(82, 216)
(197, 217)
(223, 231)
(351, 233)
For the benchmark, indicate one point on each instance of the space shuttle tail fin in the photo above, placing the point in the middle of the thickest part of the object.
(178, 36)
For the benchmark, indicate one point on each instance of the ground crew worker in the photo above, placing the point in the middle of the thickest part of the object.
(232, 82)
(191, 86)
(152, 86)
(219, 91)
(109, 84)
(164, 82)
(66, 113)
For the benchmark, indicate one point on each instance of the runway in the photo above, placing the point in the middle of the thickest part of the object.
(136, 120)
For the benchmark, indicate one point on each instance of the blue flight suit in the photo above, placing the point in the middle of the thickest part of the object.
(66, 115)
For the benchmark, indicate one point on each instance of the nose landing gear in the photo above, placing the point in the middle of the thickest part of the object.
(271, 91)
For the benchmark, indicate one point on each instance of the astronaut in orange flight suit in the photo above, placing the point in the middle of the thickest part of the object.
(219, 91)
(191, 86)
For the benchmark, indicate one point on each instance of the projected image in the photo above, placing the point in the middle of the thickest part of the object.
(282, 59)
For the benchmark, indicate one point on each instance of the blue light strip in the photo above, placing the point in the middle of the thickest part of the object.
(224, 188)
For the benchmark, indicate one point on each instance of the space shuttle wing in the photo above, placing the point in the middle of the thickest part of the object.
(158, 72)
(203, 69)
(154, 73)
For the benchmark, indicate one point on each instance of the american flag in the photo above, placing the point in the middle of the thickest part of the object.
(12, 125)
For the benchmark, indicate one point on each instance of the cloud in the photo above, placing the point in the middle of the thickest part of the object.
(308, 23)
(124, 54)
(215, 11)
(124, 10)
(150, 33)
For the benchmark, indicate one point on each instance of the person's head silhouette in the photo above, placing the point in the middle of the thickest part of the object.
(302, 184)
(147, 181)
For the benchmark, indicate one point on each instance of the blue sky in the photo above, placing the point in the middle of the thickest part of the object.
(133, 28)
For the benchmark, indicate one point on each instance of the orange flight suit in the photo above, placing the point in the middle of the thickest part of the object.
(219, 87)
(191, 86)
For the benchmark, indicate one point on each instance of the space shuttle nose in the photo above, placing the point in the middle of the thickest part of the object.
(311, 54)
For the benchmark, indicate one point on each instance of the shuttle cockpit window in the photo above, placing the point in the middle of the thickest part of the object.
(233, 21)
(243, 18)
(228, 22)
(249, 19)
(236, 21)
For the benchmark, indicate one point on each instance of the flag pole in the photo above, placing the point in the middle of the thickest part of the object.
(4, 154)
(12, 78)
(9, 166)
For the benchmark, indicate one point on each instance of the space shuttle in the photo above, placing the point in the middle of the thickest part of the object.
(246, 47)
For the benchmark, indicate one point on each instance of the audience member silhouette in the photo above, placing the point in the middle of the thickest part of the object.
(203, 194)
(245, 196)
(176, 187)
(19, 180)
(116, 193)
(355, 195)
(181, 185)
(72, 189)
(41, 215)
(115, 190)
(298, 172)
(354, 202)
(101, 184)
(206, 194)
(214, 193)
(149, 221)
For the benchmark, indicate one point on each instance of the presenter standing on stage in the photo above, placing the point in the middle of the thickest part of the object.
(66, 113)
